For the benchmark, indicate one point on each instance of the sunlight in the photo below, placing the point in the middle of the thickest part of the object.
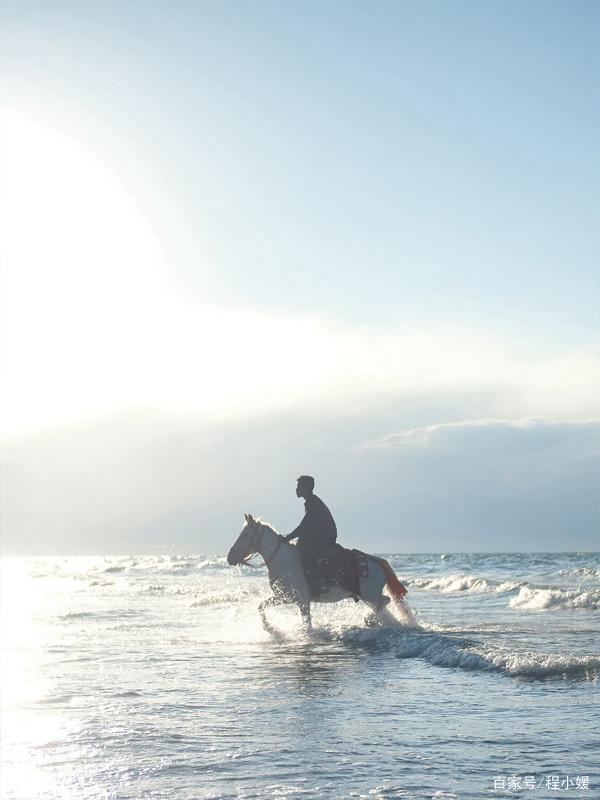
(79, 260)
(92, 323)
(25, 602)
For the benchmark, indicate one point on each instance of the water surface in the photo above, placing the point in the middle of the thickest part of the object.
(150, 677)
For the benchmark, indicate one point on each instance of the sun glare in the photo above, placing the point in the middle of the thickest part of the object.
(91, 322)
(79, 260)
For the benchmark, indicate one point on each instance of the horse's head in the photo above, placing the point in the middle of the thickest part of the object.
(246, 543)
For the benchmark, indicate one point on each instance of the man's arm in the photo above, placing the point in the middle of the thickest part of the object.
(304, 524)
(297, 531)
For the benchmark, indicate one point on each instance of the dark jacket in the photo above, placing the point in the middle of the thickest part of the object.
(317, 529)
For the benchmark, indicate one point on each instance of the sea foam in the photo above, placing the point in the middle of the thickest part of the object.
(555, 598)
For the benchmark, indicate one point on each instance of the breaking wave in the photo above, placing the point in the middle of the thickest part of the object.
(554, 598)
(583, 573)
(462, 583)
(542, 666)
(528, 596)
(445, 651)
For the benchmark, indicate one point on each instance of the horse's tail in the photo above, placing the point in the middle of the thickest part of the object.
(396, 589)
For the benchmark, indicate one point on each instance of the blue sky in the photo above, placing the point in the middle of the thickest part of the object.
(390, 205)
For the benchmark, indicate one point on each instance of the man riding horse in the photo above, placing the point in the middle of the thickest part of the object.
(316, 533)
(295, 572)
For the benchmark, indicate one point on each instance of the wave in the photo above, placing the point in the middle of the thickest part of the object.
(525, 595)
(554, 598)
(528, 595)
(443, 651)
(163, 565)
(204, 595)
(222, 597)
(462, 583)
(99, 615)
(538, 665)
(583, 573)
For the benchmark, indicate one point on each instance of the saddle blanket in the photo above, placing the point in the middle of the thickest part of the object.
(345, 567)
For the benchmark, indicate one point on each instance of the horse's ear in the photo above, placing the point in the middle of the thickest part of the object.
(247, 517)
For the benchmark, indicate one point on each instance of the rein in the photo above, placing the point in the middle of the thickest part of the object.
(246, 560)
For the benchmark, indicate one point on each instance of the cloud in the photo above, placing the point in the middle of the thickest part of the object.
(176, 356)
(134, 483)
(495, 435)
(495, 483)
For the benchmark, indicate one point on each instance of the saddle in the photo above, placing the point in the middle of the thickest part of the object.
(342, 567)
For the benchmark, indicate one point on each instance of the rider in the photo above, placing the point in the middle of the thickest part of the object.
(316, 532)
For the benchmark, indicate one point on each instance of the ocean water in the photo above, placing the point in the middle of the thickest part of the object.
(151, 677)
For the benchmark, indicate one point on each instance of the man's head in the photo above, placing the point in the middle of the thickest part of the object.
(305, 486)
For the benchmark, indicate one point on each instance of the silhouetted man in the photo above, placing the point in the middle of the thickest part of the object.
(316, 532)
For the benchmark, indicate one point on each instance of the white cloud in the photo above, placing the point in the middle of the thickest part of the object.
(496, 433)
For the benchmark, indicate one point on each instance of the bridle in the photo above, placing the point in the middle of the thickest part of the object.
(253, 549)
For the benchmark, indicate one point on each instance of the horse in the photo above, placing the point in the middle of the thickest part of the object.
(287, 580)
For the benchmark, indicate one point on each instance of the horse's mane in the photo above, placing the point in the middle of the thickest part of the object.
(263, 523)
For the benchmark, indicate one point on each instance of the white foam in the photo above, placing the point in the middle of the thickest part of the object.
(509, 586)
(442, 651)
(585, 573)
(553, 598)
(543, 665)
(528, 597)
(451, 583)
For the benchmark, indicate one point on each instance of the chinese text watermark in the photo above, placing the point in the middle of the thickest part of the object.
(514, 783)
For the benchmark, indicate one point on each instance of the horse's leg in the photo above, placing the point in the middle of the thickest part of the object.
(274, 600)
(371, 592)
(371, 618)
(374, 617)
(305, 612)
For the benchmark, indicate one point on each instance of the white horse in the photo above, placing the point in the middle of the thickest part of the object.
(286, 575)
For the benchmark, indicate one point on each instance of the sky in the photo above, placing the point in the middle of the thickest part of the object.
(243, 241)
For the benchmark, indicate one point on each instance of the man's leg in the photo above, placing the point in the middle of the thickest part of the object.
(311, 572)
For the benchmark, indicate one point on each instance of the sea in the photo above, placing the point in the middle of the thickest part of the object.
(151, 677)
